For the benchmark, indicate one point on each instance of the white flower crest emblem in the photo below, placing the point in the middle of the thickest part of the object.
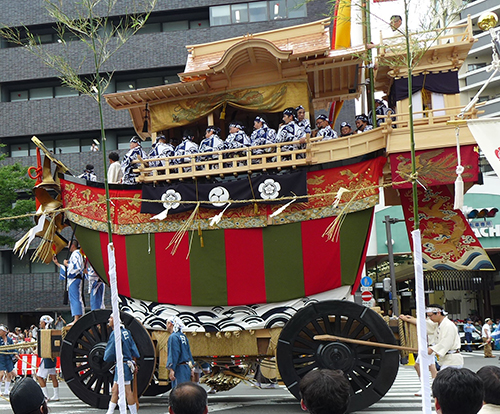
(218, 196)
(269, 189)
(171, 197)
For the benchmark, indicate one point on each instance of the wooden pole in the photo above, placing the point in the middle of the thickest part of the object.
(360, 342)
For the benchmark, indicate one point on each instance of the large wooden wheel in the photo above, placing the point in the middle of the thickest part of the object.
(82, 351)
(371, 370)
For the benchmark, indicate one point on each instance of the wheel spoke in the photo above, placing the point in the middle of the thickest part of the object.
(303, 371)
(347, 327)
(84, 344)
(98, 385)
(85, 375)
(89, 337)
(308, 343)
(365, 374)
(91, 381)
(369, 356)
(304, 360)
(357, 330)
(337, 324)
(367, 365)
(318, 327)
(328, 327)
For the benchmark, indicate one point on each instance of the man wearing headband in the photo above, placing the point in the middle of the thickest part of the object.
(237, 137)
(362, 123)
(290, 131)
(211, 143)
(324, 129)
(262, 135)
(6, 360)
(345, 129)
(88, 173)
(443, 337)
(302, 121)
(486, 335)
(72, 270)
(380, 109)
(47, 366)
(179, 359)
(186, 147)
(161, 149)
(127, 166)
(96, 288)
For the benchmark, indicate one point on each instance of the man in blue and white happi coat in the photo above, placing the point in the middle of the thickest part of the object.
(179, 359)
(96, 288)
(290, 131)
(129, 351)
(302, 121)
(212, 142)
(262, 135)
(72, 270)
(325, 131)
(161, 149)
(186, 147)
(127, 166)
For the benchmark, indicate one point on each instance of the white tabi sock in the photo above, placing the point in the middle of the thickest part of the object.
(55, 397)
(45, 393)
(111, 408)
(133, 409)
(7, 387)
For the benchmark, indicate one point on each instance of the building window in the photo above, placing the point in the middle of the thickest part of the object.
(125, 86)
(258, 11)
(64, 92)
(220, 15)
(239, 13)
(148, 82)
(178, 25)
(296, 9)
(199, 24)
(41, 93)
(19, 150)
(16, 96)
(475, 66)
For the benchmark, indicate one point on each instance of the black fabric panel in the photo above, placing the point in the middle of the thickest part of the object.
(446, 83)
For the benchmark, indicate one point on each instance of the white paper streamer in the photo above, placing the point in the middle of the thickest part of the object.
(116, 328)
(425, 358)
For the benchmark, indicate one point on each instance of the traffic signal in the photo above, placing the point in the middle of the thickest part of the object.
(483, 213)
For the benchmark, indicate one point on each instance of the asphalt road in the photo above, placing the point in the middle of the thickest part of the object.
(245, 399)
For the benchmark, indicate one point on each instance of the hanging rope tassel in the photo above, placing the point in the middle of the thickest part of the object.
(200, 235)
(459, 182)
(44, 250)
(332, 232)
(176, 240)
(281, 209)
(459, 189)
(217, 218)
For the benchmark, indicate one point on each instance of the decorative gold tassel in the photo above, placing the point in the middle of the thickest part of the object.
(200, 234)
(255, 208)
(176, 240)
(44, 250)
(333, 230)
(223, 112)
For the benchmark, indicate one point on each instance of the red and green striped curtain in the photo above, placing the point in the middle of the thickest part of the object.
(235, 266)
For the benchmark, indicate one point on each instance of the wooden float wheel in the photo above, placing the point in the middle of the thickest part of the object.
(371, 371)
(82, 351)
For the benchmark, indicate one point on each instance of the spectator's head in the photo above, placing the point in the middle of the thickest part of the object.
(324, 391)
(488, 321)
(235, 126)
(113, 156)
(27, 397)
(3, 331)
(345, 129)
(46, 321)
(396, 22)
(89, 168)
(458, 390)
(321, 121)
(259, 122)
(289, 115)
(490, 375)
(188, 398)
(301, 112)
(135, 141)
(361, 122)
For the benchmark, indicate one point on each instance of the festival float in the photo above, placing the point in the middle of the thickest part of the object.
(260, 252)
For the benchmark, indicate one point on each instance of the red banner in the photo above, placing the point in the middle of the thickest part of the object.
(448, 242)
(435, 167)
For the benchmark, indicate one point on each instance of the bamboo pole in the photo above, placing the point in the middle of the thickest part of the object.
(360, 342)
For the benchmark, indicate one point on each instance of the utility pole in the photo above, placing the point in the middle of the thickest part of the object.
(388, 221)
